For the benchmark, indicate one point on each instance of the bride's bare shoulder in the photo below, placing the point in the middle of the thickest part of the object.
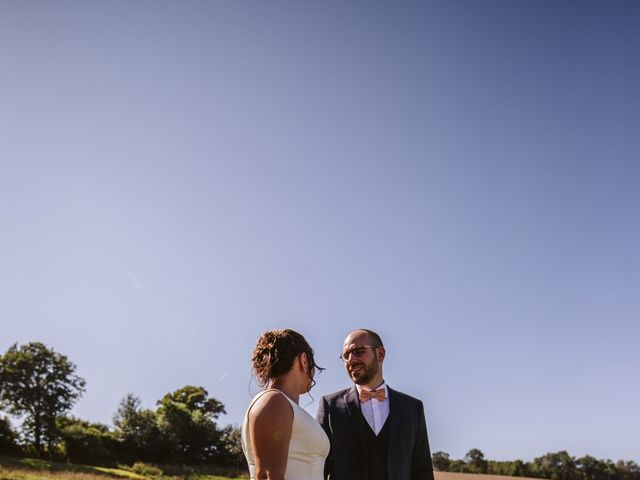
(271, 404)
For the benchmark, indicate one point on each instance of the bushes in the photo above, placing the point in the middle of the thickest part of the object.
(8, 438)
(88, 443)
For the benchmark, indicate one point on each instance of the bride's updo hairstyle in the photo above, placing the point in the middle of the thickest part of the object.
(275, 352)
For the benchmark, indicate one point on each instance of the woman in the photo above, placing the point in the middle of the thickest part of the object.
(279, 438)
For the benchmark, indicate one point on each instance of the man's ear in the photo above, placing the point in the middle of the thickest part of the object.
(381, 353)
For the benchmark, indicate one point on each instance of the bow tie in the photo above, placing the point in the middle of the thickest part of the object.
(366, 395)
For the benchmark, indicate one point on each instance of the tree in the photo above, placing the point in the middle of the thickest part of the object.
(557, 466)
(231, 453)
(195, 399)
(475, 459)
(629, 470)
(441, 461)
(458, 466)
(187, 418)
(137, 430)
(590, 468)
(41, 384)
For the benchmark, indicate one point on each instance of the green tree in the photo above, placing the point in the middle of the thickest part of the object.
(500, 468)
(186, 418)
(40, 384)
(515, 468)
(231, 453)
(459, 466)
(137, 431)
(557, 466)
(590, 468)
(195, 399)
(441, 461)
(475, 460)
(629, 470)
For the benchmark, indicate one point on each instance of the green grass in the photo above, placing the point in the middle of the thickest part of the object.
(13, 468)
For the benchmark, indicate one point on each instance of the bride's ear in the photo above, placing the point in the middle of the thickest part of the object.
(304, 362)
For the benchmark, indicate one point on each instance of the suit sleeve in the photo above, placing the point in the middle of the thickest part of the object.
(421, 465)
(322, 416)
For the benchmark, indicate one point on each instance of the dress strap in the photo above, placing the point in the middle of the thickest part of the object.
(259, 395)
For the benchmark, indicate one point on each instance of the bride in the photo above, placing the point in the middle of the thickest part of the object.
(280, 440)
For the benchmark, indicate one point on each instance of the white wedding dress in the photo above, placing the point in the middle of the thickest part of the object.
(308, 448)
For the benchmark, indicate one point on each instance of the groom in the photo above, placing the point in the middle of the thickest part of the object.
(376, 433)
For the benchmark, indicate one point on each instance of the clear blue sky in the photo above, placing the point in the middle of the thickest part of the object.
(462, 176)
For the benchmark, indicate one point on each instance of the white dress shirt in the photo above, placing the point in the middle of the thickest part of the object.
(375, 412)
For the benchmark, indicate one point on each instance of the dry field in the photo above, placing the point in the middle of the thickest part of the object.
(473, 476)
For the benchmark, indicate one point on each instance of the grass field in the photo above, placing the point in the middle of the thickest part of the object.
(31, 469)
(12, 468)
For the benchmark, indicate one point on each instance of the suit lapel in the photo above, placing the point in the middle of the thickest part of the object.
(394, 428)
(353, 404)
(357, 420)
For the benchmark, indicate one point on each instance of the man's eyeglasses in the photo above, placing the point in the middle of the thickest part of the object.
(356, 352)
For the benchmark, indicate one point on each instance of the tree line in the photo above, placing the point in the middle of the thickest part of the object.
(41, 386)
(557, 466)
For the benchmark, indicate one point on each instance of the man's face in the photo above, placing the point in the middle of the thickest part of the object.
(361, 360)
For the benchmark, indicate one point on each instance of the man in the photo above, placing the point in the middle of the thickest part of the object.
(376, 433)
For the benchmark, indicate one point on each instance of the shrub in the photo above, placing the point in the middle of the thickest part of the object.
(146, 469)
(88, 443)
(8, 438)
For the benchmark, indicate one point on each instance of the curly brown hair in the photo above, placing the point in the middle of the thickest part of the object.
(275, 353)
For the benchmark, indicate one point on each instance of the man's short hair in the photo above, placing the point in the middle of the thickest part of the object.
(374, 336)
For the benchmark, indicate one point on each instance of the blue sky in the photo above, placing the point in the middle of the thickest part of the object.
(461, 176)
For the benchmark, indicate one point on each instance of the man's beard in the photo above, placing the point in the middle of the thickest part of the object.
(367, 373)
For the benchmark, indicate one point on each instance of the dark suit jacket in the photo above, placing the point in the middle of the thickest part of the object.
(408, 458)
